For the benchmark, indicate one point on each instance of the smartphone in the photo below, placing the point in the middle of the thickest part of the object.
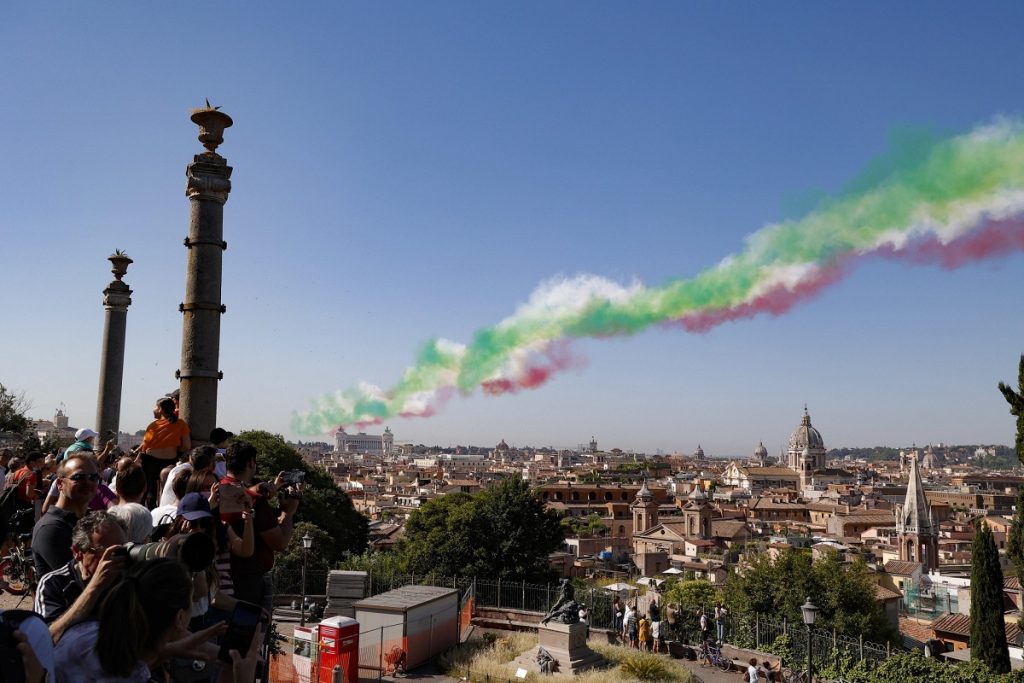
(232, 499)
(294, 476)
(11, 663)
(245, 619)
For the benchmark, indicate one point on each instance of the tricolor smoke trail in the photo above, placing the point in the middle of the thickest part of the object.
(957, 200)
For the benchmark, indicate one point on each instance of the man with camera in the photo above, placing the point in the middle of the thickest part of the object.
(273, 526)
(68, 593)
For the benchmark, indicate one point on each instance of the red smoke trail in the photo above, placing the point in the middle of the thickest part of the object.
(994, 238)
(775, 301)
(558, 356)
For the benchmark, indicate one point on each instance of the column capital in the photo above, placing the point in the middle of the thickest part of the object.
(117, 296)
(208, 178)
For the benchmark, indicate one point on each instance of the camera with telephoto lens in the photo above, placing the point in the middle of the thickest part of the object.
(194, 550)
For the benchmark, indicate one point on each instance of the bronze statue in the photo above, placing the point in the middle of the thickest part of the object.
(566, 610)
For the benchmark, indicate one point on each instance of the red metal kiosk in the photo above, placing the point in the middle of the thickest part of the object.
(339, 645)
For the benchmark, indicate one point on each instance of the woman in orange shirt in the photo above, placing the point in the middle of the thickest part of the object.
(166, 437)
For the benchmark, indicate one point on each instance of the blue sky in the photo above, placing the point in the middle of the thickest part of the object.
(406, 170)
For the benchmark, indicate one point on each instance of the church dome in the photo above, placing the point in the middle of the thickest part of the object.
(699, 453)
(805, 436)
(760, 452)
(644, 493)
(697, 494)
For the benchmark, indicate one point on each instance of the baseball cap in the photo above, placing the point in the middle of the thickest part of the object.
(194, 506)
(218, 435)
(174, 394)
(85, 433)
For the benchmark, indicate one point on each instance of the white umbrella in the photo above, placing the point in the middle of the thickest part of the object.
(646, 581)
(672, 570)
(617, 587)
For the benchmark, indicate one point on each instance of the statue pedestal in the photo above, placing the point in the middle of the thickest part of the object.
(567, 644)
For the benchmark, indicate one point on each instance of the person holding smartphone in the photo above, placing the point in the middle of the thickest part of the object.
(273, 527)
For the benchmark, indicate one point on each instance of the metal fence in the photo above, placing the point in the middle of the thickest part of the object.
(790, 641)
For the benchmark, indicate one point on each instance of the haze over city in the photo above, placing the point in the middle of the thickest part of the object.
(415, 172)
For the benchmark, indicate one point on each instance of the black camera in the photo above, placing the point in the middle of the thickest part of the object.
(194, 550)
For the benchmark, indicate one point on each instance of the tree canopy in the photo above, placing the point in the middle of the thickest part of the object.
(13, 409)
(1016, 401)
(501, 532)
(844, 595)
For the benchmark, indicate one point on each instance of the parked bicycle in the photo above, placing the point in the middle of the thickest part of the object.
(17, 572)
(711, 655)
(794, 676)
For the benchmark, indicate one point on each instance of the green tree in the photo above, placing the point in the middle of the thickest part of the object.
(1015, 540)
(1016, 401)
(692, 595)
(845, 595)
(323, 503)
(501, 532)
(13, 406)
(988, 629)
(441, 536)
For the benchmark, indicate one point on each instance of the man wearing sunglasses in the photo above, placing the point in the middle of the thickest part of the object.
(77, 479)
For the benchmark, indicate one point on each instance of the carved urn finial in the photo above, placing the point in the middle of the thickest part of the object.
(120, 262)
(211, 122)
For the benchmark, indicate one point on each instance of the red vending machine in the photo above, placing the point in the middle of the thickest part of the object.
(339, 645)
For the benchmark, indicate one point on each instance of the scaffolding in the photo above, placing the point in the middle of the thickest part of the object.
(925, 600)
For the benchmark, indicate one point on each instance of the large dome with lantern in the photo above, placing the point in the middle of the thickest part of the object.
(805, 436)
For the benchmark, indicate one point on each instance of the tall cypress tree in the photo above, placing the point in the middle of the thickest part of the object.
(988, 630)
(1015, 537)
(1015, 542)
(1016, 401)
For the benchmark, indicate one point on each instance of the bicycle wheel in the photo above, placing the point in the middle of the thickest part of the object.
(17, 581)
(724, 664)
(704, 660)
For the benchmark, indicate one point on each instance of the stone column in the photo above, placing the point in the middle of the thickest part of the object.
(116, 300)
(207, 188)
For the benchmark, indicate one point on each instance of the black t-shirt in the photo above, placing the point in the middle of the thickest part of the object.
(51, 540)
(655, 613)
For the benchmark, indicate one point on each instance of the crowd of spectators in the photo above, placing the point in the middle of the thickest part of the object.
(142, 556)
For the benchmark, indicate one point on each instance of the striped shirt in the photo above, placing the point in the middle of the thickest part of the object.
(57, 591)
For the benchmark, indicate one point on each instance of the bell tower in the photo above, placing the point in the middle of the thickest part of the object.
(915, 527)
(645, 510)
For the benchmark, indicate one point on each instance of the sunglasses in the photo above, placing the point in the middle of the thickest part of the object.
(80, 476)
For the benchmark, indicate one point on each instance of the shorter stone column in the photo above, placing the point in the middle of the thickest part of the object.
(116, 300)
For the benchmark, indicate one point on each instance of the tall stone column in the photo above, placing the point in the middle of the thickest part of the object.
(207, 188)
(117, 297)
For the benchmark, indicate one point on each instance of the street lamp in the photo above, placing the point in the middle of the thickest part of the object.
(810, 612)
(307, 543)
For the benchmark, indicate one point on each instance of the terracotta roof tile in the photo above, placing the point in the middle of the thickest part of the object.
(902, 568)
(960, 625)
(915, 630)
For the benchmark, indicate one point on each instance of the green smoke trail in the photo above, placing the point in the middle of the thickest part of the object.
(938, 189)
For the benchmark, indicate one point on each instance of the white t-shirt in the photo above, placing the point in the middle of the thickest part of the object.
(752, 675)
(167, 496)
(164, 514)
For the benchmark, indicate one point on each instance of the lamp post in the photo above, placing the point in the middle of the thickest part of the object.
(307, 543)
(810, 612)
